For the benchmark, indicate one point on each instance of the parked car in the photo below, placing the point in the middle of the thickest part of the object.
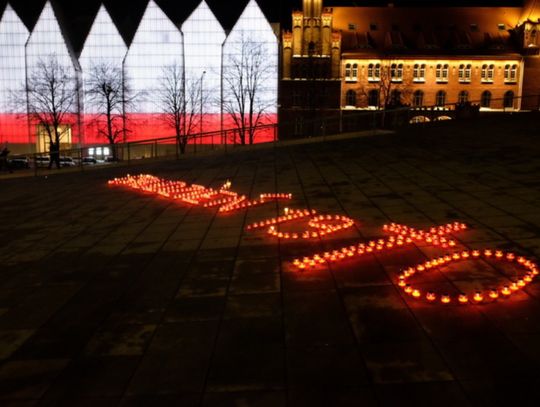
(18, 161)
(42, 161)
(89, 160)
(67, 162)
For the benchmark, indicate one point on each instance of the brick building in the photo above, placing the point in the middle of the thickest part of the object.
(344, 59)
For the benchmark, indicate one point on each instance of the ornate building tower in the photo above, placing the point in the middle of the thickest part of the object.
(310, 76)
(529, 40)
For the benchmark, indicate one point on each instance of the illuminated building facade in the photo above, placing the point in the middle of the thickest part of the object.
(362, 58)
(197, 46)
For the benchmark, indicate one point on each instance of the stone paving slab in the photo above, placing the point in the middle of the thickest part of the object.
(111, 297)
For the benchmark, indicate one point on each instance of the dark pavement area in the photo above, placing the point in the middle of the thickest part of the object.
(111, 297)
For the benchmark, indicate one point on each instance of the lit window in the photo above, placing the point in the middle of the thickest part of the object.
(91, 151)
(419, 72)
(488, 72)
(374, 72)
(441, 73)
(465, 73)
(510, 73)
(347, 71)
(396, 72)
(106, 151)
(355, 71)
(99, 151)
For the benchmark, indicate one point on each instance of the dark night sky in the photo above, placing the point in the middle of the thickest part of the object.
(78, 15)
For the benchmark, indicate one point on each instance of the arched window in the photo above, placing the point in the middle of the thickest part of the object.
(395, 98)
(355, 71)
(513, 73)
(350, 98)
(491, 72)
(373, 98)
(508, 99)
(441, 73)
(465, 73)
(419, 72)
(488, 72)
(347, 71)
(486, 99)
(441, 98)
(396, 72)
(510, 73)
(418, 98)
(463, 97)
(374, 72)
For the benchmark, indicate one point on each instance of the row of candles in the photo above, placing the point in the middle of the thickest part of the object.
(478, 296)
(323, 225)
(194, 194)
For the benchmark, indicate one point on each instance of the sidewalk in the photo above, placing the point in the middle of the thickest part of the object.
(111, 297)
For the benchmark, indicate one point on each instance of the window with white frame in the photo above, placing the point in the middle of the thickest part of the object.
(355, 72)
(419, 72)
(396, 72)
(374, 72)
(488, 72)
(441, 73)
(348, 71)
(464, 73)
(510, 73)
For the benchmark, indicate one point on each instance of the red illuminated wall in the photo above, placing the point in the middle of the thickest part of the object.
(14, 130)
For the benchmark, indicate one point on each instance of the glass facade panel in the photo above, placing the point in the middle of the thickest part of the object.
(13, 36)
(156, 45)
(48, 54)
(203, 41)
(101, 61)
(251, 47)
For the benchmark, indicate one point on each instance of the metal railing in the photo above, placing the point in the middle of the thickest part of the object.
(345, 121)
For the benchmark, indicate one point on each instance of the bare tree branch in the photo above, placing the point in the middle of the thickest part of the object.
(245, 99)
(108, 97)
(181, 100)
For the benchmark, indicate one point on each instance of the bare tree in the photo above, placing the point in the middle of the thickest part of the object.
(246, 72)
(181, 100)
(51, 99)
(393, 87)
(108, 97)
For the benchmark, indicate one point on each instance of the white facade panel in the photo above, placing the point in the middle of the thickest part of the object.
(252, 32)
(13, 37)
(157, 44)
(203, 41)
(103, 49)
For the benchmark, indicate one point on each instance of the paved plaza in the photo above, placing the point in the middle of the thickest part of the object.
(112, 297)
